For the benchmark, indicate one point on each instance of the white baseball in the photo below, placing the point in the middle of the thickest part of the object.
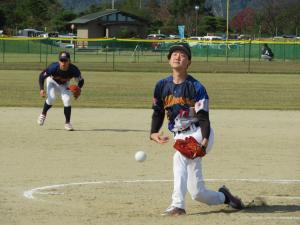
(140, 156)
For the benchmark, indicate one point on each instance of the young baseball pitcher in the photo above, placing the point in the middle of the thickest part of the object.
(185, 101)
(57, 76)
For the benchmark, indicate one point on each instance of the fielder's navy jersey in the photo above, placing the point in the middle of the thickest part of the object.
(267, 51)
(174, 98)
(60, 76)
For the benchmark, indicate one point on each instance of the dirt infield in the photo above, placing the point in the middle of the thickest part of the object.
(89, 176)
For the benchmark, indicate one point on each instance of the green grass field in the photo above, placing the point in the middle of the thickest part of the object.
(149, 62)
(134, 90)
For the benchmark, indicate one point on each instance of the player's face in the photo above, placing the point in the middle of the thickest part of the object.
(64, 64)
(179, 60)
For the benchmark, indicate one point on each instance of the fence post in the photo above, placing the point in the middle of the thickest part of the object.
(138, 56)
(283, 52)
(40, 51)
(207, 49)
(3, 55)
(106, 50)
(294, 55)
(259, 55)
(244, 51)
(134, 54)
(295, 52)
(74, 52)
(47, 53)
(227, 51)
(113, 62)
(249, 57)
(98, 42)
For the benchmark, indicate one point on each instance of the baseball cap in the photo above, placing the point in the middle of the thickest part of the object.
(64, 56)
(180, 47)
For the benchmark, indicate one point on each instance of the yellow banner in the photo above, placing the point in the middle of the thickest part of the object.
(257, 41)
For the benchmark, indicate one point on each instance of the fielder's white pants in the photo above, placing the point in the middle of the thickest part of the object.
(188, 175)
(54, 88)
(266, 57)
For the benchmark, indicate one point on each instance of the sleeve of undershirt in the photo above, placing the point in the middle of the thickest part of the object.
(78, 77)
(158, 114)
(43, 75)
(202, 109)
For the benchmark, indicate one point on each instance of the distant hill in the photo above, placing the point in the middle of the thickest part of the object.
(218, 6)
(78, 5)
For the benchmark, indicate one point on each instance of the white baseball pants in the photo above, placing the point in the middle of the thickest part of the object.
(54, 88)
(188, 175)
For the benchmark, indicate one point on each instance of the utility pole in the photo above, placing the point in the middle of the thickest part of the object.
(227, 20)
(113, 4)
(196, 9)
(227, 28)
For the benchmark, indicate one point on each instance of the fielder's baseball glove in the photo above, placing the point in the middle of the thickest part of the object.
(76, 91)
(190, 148)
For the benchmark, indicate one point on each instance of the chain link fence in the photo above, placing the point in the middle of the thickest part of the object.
(149, 55)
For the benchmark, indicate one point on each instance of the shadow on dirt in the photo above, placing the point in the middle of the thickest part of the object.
(108, 130)
(259, 205)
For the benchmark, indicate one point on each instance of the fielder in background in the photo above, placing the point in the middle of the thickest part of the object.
(185, 101)
(58, 76)
(266, 52)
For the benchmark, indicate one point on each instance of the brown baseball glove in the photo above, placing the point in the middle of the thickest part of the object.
(190, 148)
(76, 91)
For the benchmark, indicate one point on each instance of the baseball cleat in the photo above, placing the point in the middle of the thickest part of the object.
(69, 127)
(41, 119)
(173, 211)
(233, 201)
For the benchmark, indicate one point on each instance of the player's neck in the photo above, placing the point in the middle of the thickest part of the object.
(179, 76)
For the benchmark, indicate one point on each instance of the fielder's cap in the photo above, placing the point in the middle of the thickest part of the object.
(184, 47)
(64, 56)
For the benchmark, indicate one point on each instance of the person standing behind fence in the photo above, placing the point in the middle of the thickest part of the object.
(266, 52)
(58, 76)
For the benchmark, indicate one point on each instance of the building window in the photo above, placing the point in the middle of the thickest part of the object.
(121, 17)
(130, 19)
(112, 17)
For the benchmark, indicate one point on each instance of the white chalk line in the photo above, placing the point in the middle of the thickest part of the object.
(30, 193)
(275, 217)
(280, 197)
(40, 190)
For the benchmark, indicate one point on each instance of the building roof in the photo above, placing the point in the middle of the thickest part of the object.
(98, 15)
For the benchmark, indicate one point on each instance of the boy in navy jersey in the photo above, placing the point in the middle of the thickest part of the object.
(57, 76)
(186, 103)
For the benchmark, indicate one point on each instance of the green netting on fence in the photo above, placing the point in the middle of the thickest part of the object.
(143, 52)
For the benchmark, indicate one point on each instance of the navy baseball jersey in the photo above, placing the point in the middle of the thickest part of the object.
(60, 76)
(178, 98)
